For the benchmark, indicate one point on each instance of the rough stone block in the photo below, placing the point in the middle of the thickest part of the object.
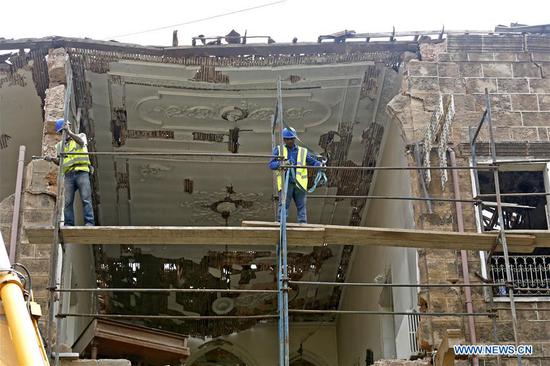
(470, 69)
(500, 70)
(423, 84)
(526, 70)
(431, 51)
(540, 85)
(512, 85)
(39, 266)
(524, 102)
(422, 68)
(43, 250)
(40, 201)
(37, 217)
(41, 177)
(505, 56)
(524, 56)
(53, 104)
(478, 85)
(443, 57)
(466, 119)
(452, 85)
(525, 134)
(499, 102)
(56, 66)
(447, 69)
(541, 56)
(536, 118)
(506, 119)
(544, 102)
(475, 56)
(545, 67)
(465, 103)
(458, 56)
(25, 250)
(544, 134)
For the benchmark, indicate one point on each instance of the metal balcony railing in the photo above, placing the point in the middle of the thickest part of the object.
(530, 275)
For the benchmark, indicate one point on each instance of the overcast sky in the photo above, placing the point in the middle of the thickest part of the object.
(305, 19)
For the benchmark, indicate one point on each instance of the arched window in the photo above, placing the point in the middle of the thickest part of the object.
(218, 357)
(301, 363)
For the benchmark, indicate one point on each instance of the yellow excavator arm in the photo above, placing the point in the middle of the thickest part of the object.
(20, 340)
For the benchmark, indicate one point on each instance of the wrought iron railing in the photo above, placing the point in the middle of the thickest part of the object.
(530, 275)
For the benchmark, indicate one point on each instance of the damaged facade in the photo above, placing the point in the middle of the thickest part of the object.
(360, 104)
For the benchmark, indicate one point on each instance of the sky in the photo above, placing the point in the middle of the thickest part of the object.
(281, 19)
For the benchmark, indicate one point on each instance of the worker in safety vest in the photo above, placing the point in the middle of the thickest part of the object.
(76, 169)
(297, 181)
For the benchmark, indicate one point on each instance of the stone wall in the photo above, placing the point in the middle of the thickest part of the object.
(518, 80)
(39, 191)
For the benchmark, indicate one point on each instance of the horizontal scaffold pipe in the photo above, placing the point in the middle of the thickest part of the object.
(269, 156)
(175, 290)
(390, 313)
(370, 284)
(174, 317)
(403, 198)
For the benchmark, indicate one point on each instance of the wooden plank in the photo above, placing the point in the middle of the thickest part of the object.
(267, 233)
(542, 237)
(162, 235)
(410, 238)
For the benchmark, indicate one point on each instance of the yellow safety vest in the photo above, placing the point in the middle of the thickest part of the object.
(301, 173)
(74, 162)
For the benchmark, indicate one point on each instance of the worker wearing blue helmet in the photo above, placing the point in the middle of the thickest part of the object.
(76, 170)
(297, 181)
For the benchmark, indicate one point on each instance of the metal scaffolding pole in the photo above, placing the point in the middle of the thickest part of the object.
(502, 232)
(282, 272)
(56, 266)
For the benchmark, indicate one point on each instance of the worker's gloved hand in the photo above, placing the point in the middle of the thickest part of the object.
(48, 158)
(285, 163)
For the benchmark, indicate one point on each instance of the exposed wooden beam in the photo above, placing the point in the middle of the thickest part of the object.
(267, 233)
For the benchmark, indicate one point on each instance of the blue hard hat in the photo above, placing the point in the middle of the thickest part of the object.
(59, 125)
(289, 133)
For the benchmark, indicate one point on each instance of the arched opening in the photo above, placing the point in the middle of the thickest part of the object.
(218, 357)
(301, 363)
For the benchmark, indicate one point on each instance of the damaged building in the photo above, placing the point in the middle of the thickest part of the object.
(182, 267)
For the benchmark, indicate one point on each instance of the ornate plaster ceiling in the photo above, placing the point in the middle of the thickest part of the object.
(140, 106)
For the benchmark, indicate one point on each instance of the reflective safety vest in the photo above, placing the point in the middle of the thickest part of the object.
(74, 162)
(301, 173)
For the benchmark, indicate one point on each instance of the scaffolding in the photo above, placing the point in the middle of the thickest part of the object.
(57, 287)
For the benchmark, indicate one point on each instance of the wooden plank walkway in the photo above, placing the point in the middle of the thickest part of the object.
(267, 233)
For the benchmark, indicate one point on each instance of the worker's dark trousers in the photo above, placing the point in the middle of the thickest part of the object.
(300, 197)
(78, 180)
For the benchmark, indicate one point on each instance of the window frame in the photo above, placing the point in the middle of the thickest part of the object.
(537, 166)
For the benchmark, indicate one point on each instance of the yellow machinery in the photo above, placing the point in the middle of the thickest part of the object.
(20, 340)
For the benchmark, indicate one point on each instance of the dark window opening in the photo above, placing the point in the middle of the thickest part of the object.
(519, 212)
(530, 273)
